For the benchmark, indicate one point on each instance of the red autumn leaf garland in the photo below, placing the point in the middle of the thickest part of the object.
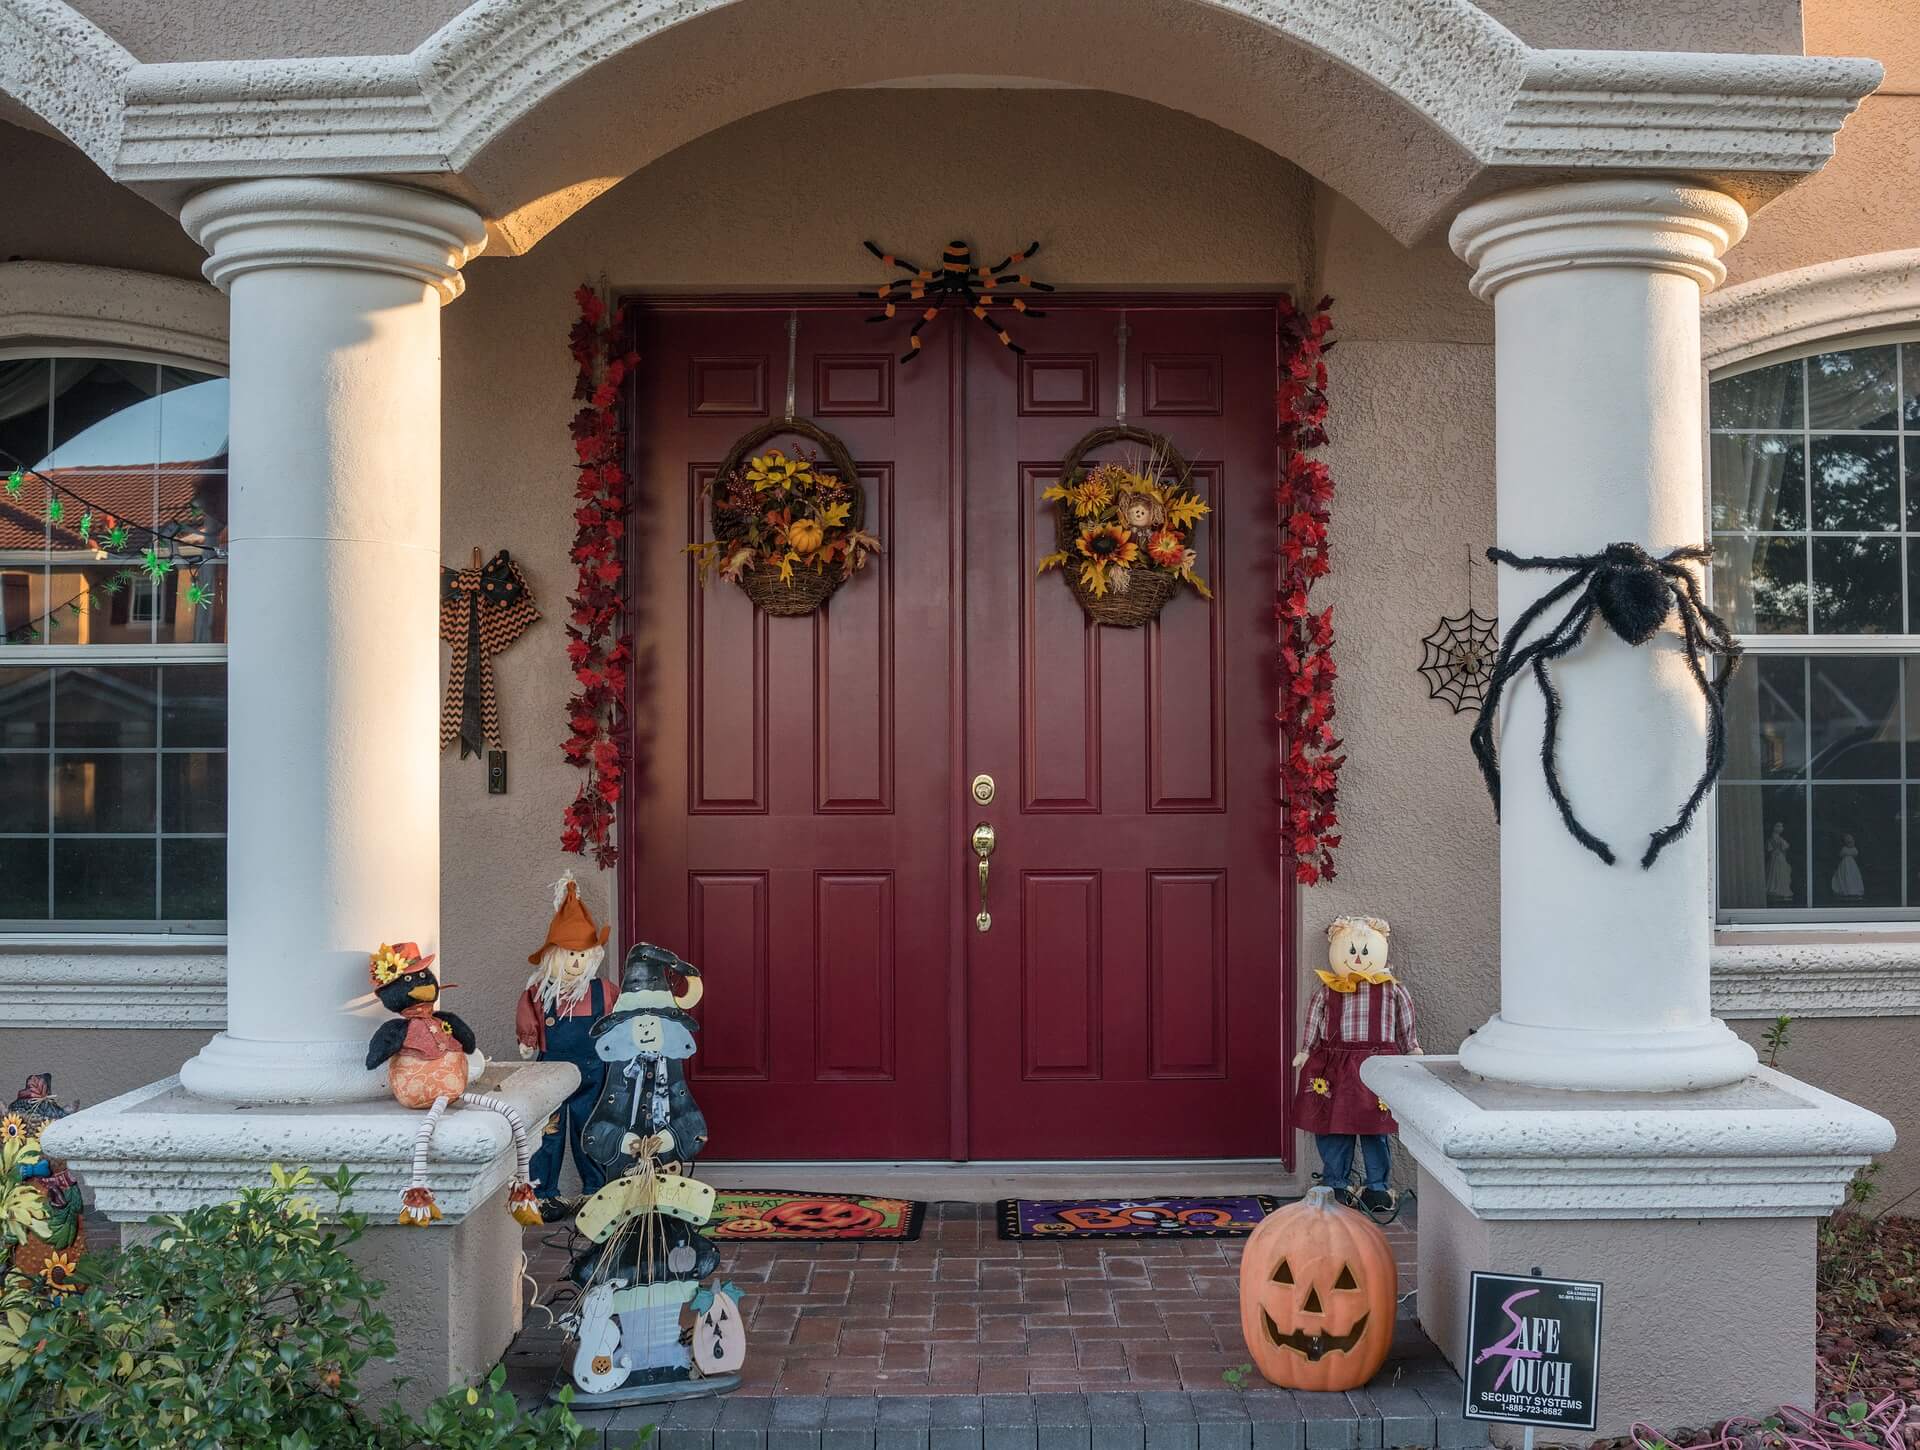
(1310, 768)
(599, 650)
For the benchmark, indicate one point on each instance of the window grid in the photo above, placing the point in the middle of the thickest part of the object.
(1901, 644)
(58, 651)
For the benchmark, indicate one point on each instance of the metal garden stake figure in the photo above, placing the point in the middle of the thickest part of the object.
(1634, 593)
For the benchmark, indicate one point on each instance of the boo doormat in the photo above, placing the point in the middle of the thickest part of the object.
(1133, 1218)
(786, 1215)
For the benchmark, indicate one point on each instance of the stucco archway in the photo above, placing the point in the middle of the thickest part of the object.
(1384, 100)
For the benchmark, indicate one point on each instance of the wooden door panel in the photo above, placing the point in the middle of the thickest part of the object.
(1130, 999)
(853, 677)
(790, 835)
(727, 939)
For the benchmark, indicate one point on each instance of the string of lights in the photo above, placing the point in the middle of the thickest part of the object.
(169, 545)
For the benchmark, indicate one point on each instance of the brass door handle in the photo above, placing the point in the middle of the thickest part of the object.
(983, 844)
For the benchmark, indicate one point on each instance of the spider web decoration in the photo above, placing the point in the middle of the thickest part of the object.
(1458, 660)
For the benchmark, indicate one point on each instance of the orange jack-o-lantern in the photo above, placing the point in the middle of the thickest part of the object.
(1317, 1293)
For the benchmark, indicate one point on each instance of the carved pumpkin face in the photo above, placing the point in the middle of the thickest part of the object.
(1318, 1288)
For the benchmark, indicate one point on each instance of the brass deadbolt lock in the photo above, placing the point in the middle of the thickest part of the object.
(982, 789)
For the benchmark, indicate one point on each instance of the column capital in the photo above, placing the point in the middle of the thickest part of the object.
(1654, 223)
(370, 226)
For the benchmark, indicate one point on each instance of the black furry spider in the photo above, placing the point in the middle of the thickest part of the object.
(957, 280)
(1634, 593)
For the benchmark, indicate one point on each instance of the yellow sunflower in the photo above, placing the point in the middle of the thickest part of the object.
(56, 1274)
(1108, 544)
(13, 1127)
(388, 965)
(1319, 1085)
(773, 469)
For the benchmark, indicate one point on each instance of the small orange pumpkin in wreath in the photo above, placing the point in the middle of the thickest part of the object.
(1318, 1290)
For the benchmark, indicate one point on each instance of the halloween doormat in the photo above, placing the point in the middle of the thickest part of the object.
(789, 1216)
(1133, 1218)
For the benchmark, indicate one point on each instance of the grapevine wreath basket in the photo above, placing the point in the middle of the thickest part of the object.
(789, 530)
(1124, 530)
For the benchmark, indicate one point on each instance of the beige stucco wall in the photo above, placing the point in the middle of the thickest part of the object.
(60, 207)
(1865, 199)
(1874, 1062)
(1411, 422)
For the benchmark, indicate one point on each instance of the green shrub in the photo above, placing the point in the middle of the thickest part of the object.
(243, 1326)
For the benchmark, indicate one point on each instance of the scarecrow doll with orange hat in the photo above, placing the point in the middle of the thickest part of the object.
(427, 1067)
(568, 992)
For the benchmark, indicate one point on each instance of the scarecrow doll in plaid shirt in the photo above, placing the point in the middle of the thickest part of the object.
(1359, 1012)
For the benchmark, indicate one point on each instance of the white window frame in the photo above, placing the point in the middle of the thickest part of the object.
(1828, 962)
(15, 980)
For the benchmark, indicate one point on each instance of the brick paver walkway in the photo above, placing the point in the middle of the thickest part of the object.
(960, 1312)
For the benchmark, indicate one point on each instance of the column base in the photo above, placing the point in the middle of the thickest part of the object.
(453, 1289)
(233, 1069)
(1696, 1210)
(1582, 1061)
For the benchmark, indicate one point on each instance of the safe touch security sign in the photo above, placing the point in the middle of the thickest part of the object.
(1533, 1351)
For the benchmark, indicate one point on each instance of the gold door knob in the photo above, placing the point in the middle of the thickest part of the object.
(983, 844)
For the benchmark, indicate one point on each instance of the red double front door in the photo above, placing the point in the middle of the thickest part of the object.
(803, 828)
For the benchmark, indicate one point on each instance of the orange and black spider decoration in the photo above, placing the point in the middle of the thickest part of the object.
(956, 280)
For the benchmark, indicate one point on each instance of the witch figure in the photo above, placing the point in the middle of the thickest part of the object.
(648, 1257)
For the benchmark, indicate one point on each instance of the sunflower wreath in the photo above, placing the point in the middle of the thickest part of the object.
(1125, 529)
(789, 530)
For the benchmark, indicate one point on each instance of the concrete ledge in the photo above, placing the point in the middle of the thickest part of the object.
(1769, 1147)
(115, 986)
(159, 1149)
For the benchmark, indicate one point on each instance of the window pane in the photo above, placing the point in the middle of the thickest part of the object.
(195, 712)
(1856, 845)
(104, 414)
(23, 879)
(1856, 718)
(1852, 389)
(1910, 369)
(1856, 586)
(24, 698)
(193, 880)
(103, 793)
(1763, 398)
(193, 792)
(1759, 481)
(1760, 584)
(1767, 718)
(1856, 483)
(24, 421)
(1763, 847)
(193, 419)
(23, 792)
(103, 880)
(111, 706)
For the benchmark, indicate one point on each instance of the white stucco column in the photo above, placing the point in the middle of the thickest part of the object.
(1596, 289)
(333, 772)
